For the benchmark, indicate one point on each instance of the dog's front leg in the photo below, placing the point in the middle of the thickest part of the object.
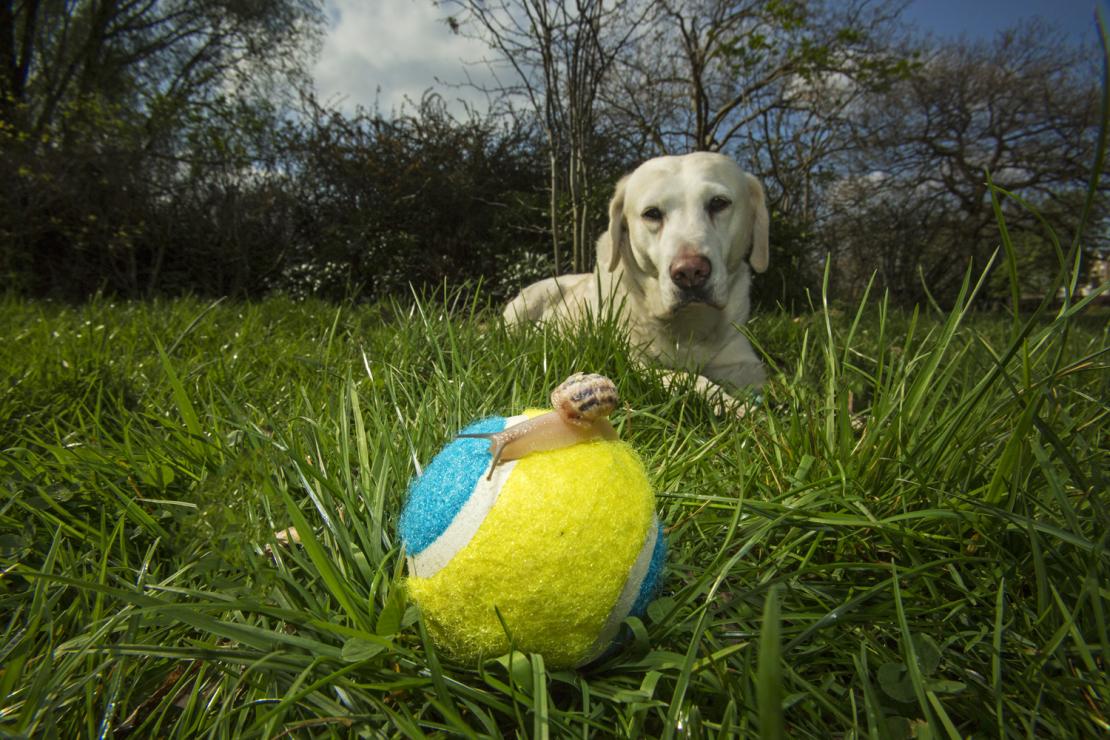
(720, 400)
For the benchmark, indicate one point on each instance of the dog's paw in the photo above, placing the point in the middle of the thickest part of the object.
(725, 404)
(721, 401)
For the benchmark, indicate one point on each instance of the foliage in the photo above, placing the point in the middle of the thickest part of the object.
(414, 199)
(124, 123)
(791, 281)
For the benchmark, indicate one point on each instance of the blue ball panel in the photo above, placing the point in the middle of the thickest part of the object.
(436, 497)
(652, 578)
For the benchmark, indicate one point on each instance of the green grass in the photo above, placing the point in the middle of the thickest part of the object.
(908, 536)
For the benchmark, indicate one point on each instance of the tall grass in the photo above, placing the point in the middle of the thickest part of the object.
(908, 536)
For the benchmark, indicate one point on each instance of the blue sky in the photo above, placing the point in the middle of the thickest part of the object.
(385, 51)
(983, 18)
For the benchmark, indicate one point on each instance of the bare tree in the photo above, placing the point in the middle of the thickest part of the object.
(710, 70)
(1022, 109)
(54, 53)
(559, 53)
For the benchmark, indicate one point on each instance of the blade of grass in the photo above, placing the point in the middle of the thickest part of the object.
(769, 685)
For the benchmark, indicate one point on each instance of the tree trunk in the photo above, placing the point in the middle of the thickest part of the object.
(553, 204)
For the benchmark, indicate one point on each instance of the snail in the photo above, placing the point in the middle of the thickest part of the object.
(582, 405)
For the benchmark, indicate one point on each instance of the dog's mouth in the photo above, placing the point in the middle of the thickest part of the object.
(695, 297)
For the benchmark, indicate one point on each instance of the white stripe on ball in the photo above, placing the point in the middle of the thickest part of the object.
(469, 517)
(628, 595)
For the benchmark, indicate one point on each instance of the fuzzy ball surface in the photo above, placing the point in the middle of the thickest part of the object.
(555, 550)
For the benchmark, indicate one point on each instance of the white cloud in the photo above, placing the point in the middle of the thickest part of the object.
(384, 50)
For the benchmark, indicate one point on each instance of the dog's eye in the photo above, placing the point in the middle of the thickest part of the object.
(718, 204)
(653, 214)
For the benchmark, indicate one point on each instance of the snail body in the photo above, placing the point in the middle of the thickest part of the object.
(582, 405)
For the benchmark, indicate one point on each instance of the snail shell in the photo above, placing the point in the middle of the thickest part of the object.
(583, 398)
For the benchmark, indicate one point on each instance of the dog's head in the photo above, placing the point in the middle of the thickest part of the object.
(683, 227)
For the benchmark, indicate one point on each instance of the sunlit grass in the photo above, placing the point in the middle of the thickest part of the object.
(911, 530)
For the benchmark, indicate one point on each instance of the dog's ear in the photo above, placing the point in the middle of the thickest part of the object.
(760, 256)
(616, 224)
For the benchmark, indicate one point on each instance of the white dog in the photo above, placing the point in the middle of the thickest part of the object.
(684, 235)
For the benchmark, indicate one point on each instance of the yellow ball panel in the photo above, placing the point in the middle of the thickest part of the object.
(551, 556)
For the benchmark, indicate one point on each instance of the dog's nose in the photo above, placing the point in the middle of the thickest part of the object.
(690, 271)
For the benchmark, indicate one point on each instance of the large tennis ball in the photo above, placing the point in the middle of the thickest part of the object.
(551, 553)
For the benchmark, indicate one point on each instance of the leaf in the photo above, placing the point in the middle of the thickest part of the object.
(519, 668)
(181, 397)
(389, 619)
(928, 654)
(895, 681)
(945, 687)
(10, 544)
(899, 728)
(356, 650)
(801, 475)
(158, 475)
(409, 619)
(658, 609)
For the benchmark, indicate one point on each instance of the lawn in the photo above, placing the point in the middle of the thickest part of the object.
(908, 537)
